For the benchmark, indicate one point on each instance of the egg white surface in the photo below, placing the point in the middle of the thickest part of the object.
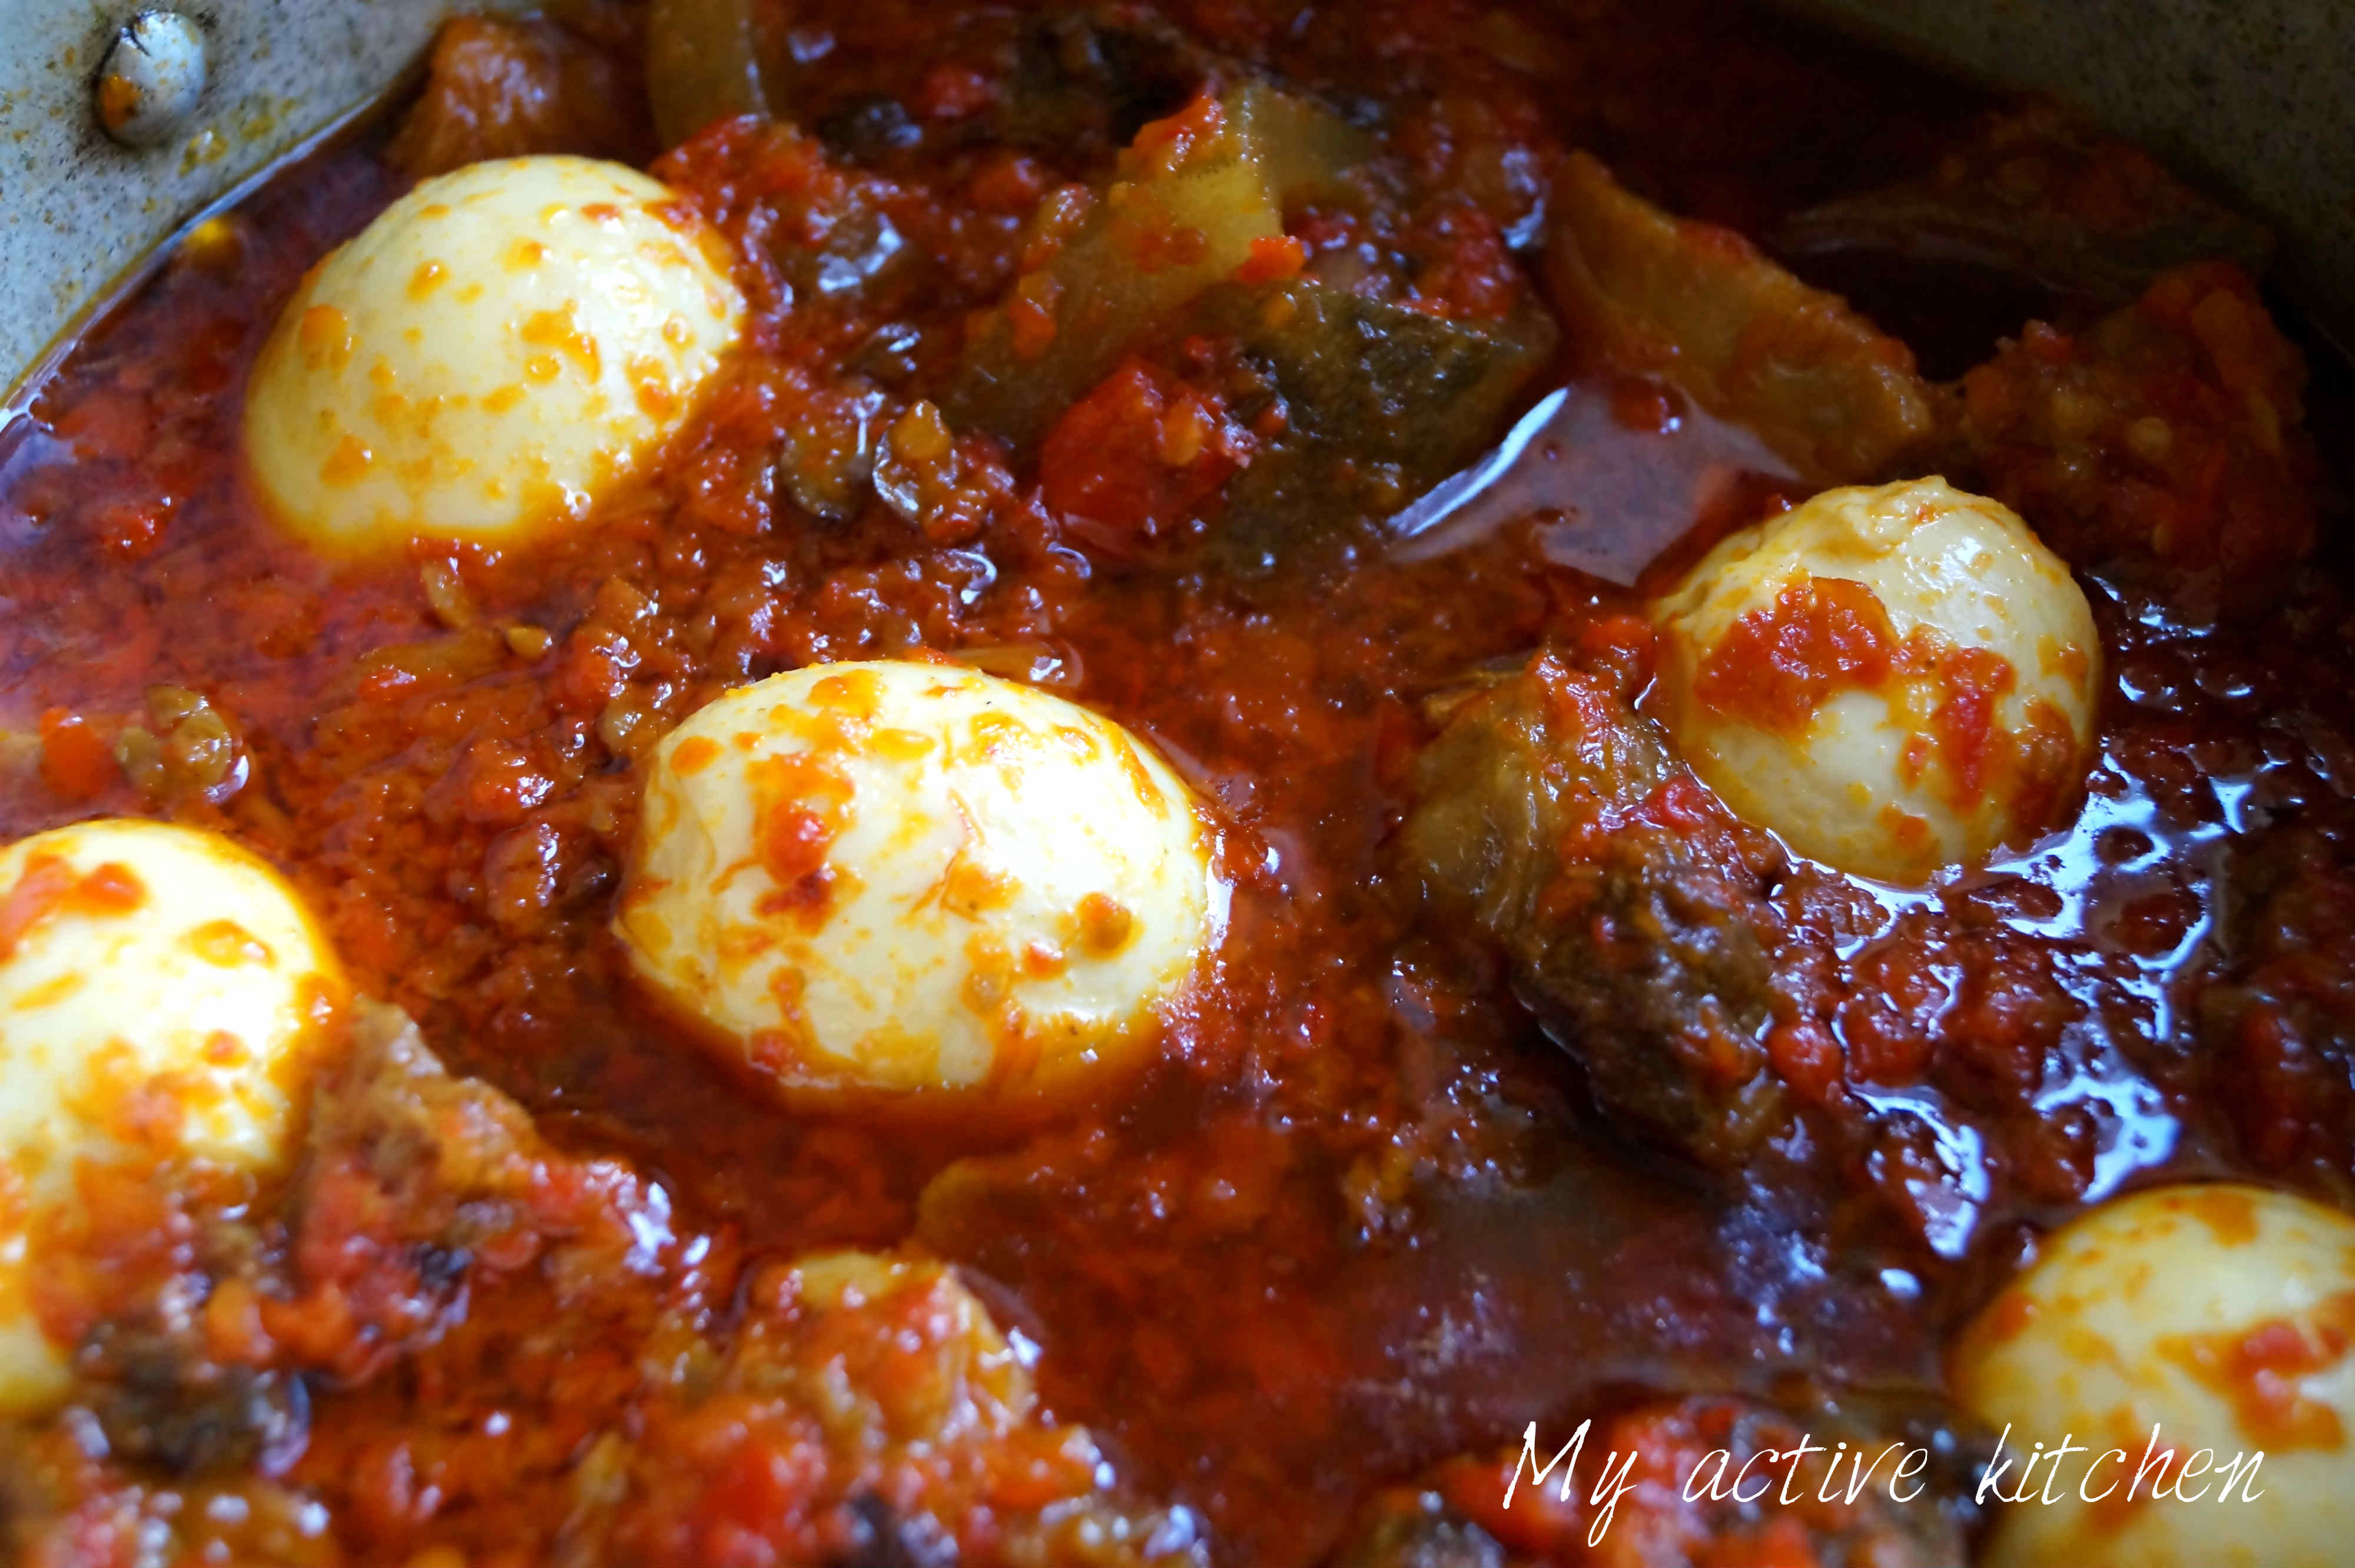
(489, 356)
(894, 879)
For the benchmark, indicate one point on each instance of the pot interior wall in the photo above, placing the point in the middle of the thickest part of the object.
(2250, 97)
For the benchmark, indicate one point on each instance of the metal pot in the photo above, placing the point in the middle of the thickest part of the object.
(2251, 97)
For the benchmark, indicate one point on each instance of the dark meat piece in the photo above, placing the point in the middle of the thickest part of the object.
(1381, 403)
(498, 89)
(161, 1401)
(1552, 820)
(2166, 444)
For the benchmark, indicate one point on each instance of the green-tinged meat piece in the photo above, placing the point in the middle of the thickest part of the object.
(1832, 394)
(1642, 947)
(1196, 193)
(1380, 403)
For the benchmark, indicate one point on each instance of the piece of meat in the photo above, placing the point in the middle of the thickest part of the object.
(2040, 194)
(500, 89)
(1830, 392)
(1552, 820)
(2167, 442)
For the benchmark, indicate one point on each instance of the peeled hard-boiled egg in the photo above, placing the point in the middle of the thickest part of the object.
(2220, 1317)
(870, 881)
(1895, 679)
(163, 995)
(486, 357)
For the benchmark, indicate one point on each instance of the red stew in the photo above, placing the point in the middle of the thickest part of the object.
(1360, 1224)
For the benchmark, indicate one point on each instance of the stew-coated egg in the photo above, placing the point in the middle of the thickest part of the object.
(1895, 679)
(163, 995)
(895, 879)
(2192, 1345)
(486, 357)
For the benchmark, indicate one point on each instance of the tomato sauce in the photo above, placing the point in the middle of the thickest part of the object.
(1359, 1219)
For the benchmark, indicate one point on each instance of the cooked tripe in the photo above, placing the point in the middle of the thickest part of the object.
(486, 357)
(900, 879)
(1895, 679)
(2223, 1318)
(161, 995)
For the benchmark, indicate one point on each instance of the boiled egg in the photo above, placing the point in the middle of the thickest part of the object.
(896, 880)
(2194, 1345)
(487, 358)
(1895, 679)
(163, 996)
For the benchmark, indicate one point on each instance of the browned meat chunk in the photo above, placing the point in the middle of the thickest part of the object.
(1552, 820)
(498, 89)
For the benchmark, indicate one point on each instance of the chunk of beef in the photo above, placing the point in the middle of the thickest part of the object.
(1679, 1506)
(1552, 820)
(2166, 444)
